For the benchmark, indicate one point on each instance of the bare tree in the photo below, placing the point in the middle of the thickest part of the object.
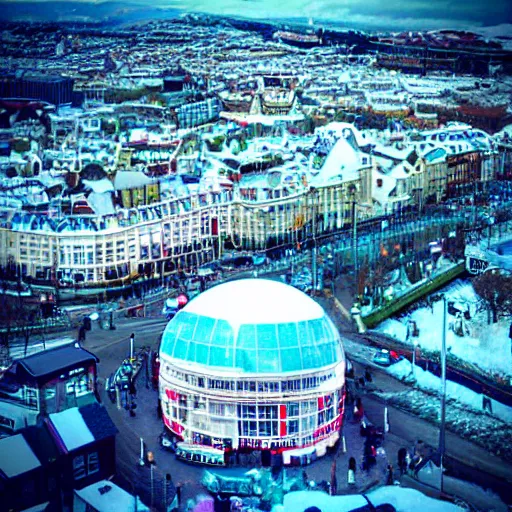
(495, 288)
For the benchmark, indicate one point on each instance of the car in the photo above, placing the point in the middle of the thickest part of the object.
(385, 357)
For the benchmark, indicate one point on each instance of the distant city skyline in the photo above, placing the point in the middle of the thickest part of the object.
(393, 14)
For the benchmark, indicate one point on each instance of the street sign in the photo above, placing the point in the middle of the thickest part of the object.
(475, 265)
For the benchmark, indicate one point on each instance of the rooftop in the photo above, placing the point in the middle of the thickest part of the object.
(253, 326)
(52, 361)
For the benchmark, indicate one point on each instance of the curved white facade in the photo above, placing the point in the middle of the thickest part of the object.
(253, 364)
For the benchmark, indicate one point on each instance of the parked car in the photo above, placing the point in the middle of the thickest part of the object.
(385, 357)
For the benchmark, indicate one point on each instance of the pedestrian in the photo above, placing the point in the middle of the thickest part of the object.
(351, 476)
(368, 375)
(389, 478)
(132, 388)
(81, 334)
(333, 489)
(369, 456)
(358, 410)
(402, 461)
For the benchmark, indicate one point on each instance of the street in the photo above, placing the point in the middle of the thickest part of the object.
(464, 459)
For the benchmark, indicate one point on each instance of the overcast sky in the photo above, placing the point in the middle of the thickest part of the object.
(413, 14)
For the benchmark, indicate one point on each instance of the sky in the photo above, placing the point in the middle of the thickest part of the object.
(410, 14)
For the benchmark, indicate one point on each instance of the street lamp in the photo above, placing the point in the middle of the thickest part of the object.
(443, 393)
(132, 337)
(415, 344)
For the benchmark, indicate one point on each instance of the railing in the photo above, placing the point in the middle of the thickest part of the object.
(428, 286)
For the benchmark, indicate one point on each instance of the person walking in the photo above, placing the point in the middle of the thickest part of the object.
(358, 410)
(351, 475)
(402, 461)
(389, 478)
(81, 334)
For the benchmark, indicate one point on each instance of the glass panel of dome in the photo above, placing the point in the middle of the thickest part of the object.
(202, 353)
(204, 329)
(268, 361)
(287, 335)
(220, 357)
(187, 325)
(246, 337)
(317, 332)
(303, 332)
(311, 357)
(180, 349)
(191, 354)
(291, 360)
(246, 359)
(266, 334)
(223, 334)
(169, 338)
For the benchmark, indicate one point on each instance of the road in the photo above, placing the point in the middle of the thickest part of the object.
(464, 459)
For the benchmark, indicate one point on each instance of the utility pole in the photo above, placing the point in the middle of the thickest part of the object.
(443, 396)
(354, 246)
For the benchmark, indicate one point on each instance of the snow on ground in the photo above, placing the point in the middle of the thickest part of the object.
(404, 500)
(426, 380)
(486, 346)
(481, 428)
(17, 350)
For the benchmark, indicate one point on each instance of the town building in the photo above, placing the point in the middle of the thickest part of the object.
(253, 364)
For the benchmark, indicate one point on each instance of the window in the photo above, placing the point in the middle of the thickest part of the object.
(292, 410)
(79, 467)
(31, 397)
(248, 411)
(267, 428)
(267, 412)
(93, 463)
(293, 427)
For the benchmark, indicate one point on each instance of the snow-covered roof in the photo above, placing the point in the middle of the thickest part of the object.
(338, 129)
(71, 428)
(255, 301)
(381, 194)
(17, 456)
(400, 172)
(342, 164)
(403, 499)
(101, 203)
(99, 186)
(112, 500)
(393, 152)
(130, 179)
(252, 326)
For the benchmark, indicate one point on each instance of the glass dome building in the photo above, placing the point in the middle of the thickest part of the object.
(254, 364)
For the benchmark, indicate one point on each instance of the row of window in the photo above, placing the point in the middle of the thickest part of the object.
(305, 383)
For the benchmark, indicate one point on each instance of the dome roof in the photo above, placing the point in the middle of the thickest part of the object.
(253, 326)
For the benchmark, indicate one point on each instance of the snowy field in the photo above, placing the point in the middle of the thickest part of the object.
(427, 381)
(485, 346)
(404, 500)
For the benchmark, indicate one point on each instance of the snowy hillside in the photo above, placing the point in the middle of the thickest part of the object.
(485, 346)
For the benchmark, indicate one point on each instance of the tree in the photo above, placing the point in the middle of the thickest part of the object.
(495, 288)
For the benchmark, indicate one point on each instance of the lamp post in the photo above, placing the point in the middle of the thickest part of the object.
(415, 344)
(354, 246)
(443, 394)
